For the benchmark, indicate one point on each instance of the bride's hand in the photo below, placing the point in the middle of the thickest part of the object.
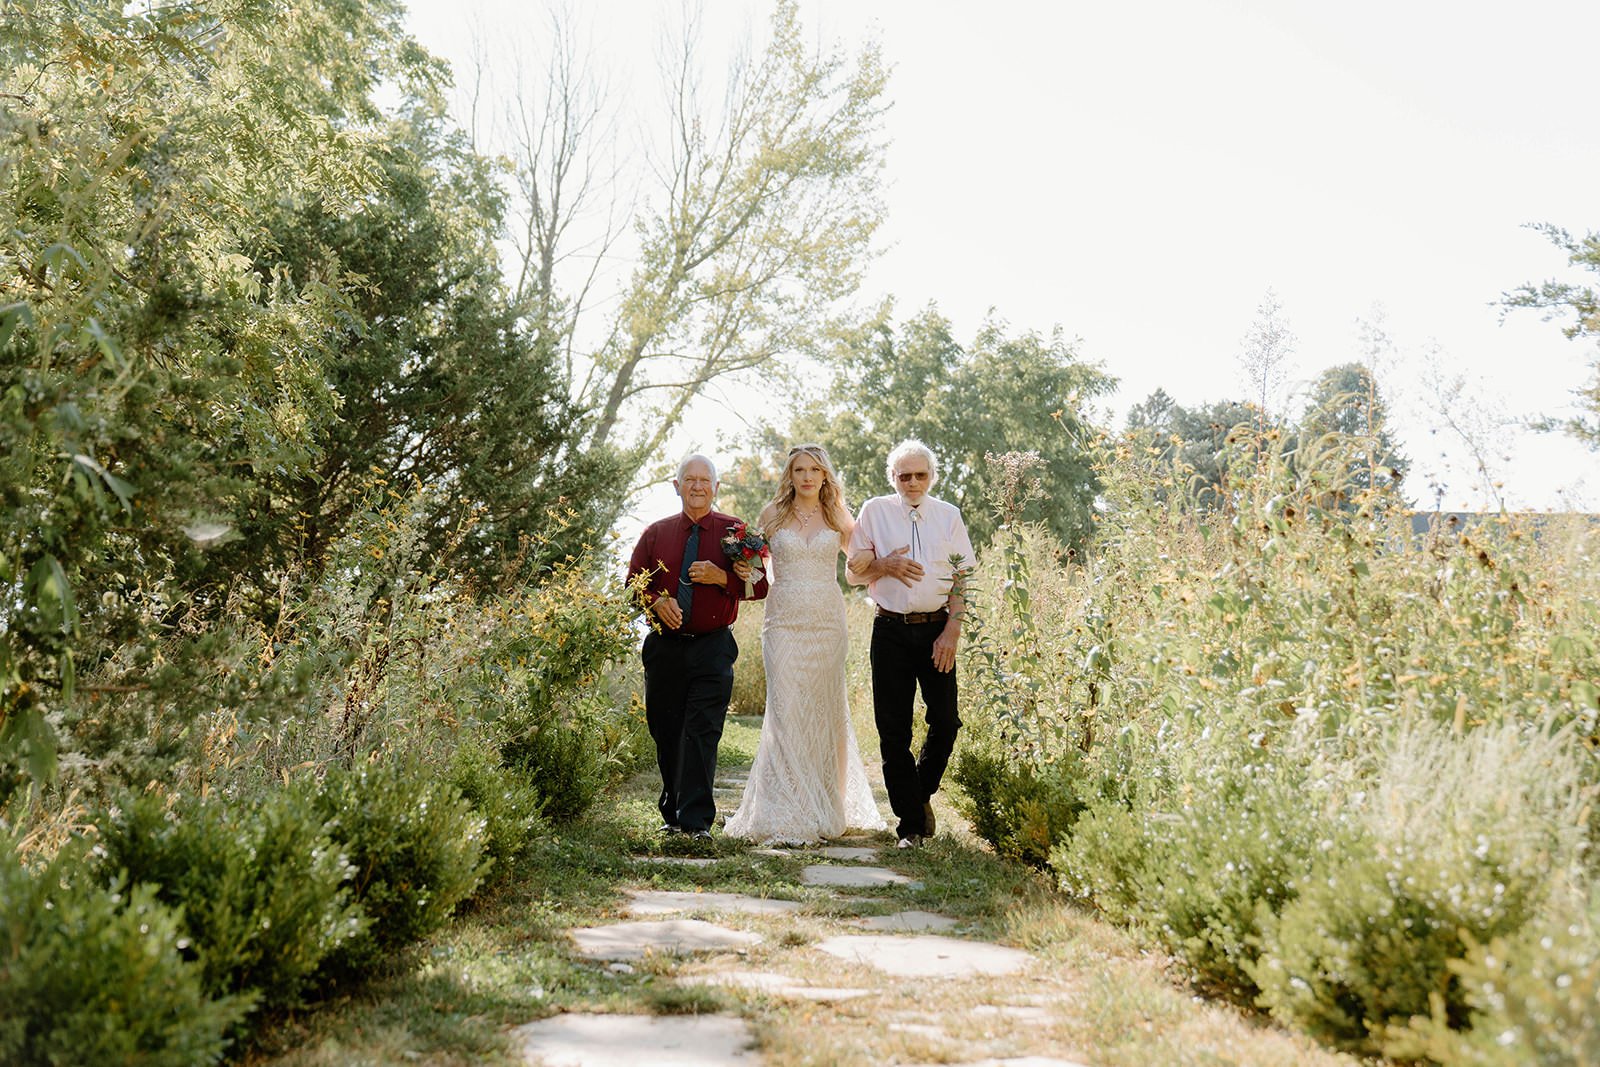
(742, 568)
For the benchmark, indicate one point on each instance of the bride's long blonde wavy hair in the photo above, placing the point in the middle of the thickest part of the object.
(830, 498)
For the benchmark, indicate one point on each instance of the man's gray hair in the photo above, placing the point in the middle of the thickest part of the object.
(912, 447)
(690, 458)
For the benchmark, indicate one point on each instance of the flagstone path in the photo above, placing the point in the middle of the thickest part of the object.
(822, 950)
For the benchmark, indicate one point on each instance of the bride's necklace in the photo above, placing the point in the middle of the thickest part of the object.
(804, 518)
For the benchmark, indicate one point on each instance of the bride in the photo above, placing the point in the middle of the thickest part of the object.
(808, 782)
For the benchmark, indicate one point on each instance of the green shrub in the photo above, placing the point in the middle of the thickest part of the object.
(1226, 861)
(1104, 860)
(1368, 941)
(1457, 841)
(93, 975)
(1533, 998)
(417, 850)
(263, 894)
(1020, 811)
(508, 805)
(568, 757)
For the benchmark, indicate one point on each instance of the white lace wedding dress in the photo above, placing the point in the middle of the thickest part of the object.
(808, 782)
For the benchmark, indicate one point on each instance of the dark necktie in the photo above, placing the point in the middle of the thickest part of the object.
(691, 552)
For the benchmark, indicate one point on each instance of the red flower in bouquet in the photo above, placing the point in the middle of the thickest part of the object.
(742, 542)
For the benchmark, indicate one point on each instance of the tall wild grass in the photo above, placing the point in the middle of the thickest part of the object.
(1324, 760)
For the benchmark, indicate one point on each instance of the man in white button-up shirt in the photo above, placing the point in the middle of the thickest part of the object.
(909, 550)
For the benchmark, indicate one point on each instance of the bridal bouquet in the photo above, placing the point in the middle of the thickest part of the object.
(750, 545)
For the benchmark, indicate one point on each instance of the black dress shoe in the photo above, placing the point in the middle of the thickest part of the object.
(671, 828)
(698, 835)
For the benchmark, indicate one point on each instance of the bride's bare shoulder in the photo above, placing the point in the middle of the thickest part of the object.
(769, 515)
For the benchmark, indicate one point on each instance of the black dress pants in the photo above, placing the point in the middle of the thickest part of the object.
(902, 659)
(687, 684)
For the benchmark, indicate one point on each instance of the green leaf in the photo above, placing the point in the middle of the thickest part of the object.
(50, 590)
(124, 492)
(104, 342)
(11, 316)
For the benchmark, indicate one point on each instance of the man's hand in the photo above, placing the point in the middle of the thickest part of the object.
(944, 647)
(668, 611)
(893, 565)
(897, 564)
(704, 572)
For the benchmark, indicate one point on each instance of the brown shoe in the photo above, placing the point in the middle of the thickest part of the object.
(929, 823)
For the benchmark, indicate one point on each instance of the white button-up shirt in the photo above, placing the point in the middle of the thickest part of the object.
(933, 532)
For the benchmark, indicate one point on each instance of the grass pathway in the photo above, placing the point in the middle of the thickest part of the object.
(823, 971)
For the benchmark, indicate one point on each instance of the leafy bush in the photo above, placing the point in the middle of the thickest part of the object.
(417, 849)
(1102, 861)
(1369, 939)
(1021, 811)
(566, 761)
(543, 683)
(1285, 679)
(90, 974)
(1230, 858)
(1533, 998)
(262, 893)
(1455, 842)
(509, 805)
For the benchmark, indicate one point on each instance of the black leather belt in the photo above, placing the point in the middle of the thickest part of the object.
(912, 618)
(685, 635)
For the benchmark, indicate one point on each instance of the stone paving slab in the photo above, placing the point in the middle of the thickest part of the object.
(1015, 1061)
(581, 1040)
(630, 941)
(854, 877)
(660, 902)
(911, 922)
(777, 984)
(926, 956)
(1021, 1012)
(844, 852)
(679, 861)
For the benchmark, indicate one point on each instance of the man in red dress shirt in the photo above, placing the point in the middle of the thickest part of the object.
(692, 596)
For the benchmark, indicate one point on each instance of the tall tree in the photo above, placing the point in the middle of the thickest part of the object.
(1580, 304)
(1347, 415)
(1200, 443)
(146, 369)
(752, 233)
(1002, 393)
(440, 384)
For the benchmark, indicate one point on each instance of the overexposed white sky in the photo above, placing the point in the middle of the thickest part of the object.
(1141, 174)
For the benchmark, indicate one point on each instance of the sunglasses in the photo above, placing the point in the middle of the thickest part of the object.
(911, 476)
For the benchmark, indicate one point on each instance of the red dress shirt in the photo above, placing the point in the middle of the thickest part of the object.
(659, 553)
